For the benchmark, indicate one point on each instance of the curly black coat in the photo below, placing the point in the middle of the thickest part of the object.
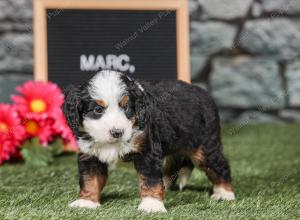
(177, 118)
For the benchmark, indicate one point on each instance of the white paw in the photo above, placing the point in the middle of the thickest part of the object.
(222, 194)
(84, 203)
(150, 204)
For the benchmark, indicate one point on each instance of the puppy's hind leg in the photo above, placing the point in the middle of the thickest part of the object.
(217, 169)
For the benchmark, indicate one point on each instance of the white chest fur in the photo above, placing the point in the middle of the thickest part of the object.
(108, 153)
(111, 152)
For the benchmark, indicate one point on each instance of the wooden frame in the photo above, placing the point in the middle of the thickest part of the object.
(40, 27)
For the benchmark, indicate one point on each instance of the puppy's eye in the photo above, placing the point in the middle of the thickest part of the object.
(98, 110)
(125, 108)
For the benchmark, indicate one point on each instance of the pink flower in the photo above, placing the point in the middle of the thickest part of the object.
(61, 128)
(38, 100)
(39, 105)
(5, 149)
(12, 133)
(41, 129)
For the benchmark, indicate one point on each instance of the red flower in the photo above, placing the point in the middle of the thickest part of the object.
(38, 100)
(39, 105)
(61, 128)
(41, 129)
(5, 149)
(11, 132)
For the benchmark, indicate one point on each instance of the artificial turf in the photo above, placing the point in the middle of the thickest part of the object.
(265, 161)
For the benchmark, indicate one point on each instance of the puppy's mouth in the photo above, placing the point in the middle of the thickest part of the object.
(114, 141)
(117, 141)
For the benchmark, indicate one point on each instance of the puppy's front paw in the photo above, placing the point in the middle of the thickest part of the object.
(150, 204)
(84, 203)
(221, 193)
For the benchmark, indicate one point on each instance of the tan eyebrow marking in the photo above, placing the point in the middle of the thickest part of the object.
(101, 103)
(124, 100)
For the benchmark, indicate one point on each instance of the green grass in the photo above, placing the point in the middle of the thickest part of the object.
(265, 163)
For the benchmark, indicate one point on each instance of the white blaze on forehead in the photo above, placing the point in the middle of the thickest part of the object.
(108, 86)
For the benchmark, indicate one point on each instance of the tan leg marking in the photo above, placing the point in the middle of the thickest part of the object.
(152, 197)
(92, 187)
(226, 185)
(156, 191)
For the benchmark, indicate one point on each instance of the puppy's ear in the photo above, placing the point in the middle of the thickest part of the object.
(134, 87)
(137, 90)
(72, 107)
(143, 104)
(143, 101)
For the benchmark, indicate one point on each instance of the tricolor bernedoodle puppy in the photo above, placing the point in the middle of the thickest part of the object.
(166, 127)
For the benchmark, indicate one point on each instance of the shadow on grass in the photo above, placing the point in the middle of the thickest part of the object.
(108, 197)
(186, 194)
(191, 188)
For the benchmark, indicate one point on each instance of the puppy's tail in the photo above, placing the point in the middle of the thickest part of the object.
(177, 169)
(184, 176)
(185, 172)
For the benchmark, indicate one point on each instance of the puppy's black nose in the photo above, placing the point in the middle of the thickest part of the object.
(116, 133)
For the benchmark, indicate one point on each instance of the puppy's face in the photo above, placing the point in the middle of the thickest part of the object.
(108, 114)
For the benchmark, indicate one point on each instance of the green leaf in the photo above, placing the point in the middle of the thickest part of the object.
(35, 154)
(56, 146)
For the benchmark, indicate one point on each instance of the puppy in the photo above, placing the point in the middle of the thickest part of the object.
(157, 124)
